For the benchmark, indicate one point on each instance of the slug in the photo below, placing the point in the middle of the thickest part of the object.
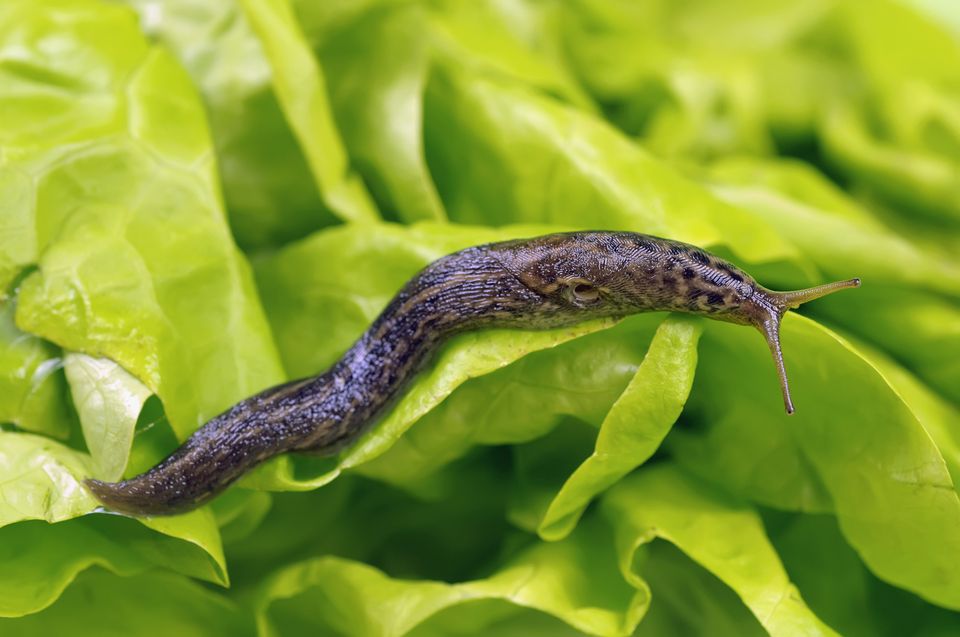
(549, 281)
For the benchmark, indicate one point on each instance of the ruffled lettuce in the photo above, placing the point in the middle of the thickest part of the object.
(467, 508)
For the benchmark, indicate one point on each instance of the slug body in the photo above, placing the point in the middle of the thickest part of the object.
(550, 281)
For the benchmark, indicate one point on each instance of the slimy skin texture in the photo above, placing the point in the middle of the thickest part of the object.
(551, 281)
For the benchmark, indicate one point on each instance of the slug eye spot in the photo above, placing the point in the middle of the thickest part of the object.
(584, 293)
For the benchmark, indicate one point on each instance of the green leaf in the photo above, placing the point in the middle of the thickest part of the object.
(887, 482)
(301, 90)
(268, 189)
(811, 543)
(197, 528)
(51, 101)
(697, 81)
(840, 588)
(32, 393)
(573, 170)
(143, 605)
(634, 426)
(108, 400)
(912, 178)
(376, 57)
(376, 67)
(933, 412)
(931, 54)
(128, 160)
(920, 329)
(902, 139)
(516, 40)
(41, 560)
(686, 599)
(724, 536)
(840, 239)
(576, 581)
(40, 480)
(581, 378)
(897, 308)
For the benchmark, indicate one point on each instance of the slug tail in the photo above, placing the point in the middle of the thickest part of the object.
(218, 453)
(120, 497)
(202, 468)
(180, 483)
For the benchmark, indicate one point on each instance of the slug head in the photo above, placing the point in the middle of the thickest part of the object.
(765, 309)
(616, 274)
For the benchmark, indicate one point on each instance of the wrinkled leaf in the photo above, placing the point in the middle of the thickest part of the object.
(841, 590)
(181, 315)
(381, 118)
(581, 378)
(41, 560)
(573, 171)
(687, 599)
(888, 483)
(40, 480)
(153, 603)
(301, 90)
(724, 536)
(108, 400)
(634, 426)
(268, 189)
(842, 245)
(32, 394)
(354, 599)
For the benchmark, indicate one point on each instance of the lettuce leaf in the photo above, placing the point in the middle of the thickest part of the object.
(109, 401)
(575, 171)
(580, 379)
(688, 599)
(152, 603)
(824, 460)
(131, 161)
(268, 189)
(32, 392)
(355, 599)
(724, 536)
(141, 139)
(635, 424)
(300, 88)
(381, 118)
(42, 560)
(840, 588)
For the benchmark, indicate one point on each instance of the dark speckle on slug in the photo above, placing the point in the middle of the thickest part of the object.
(550, 281)
(714, 298)
(700, 257)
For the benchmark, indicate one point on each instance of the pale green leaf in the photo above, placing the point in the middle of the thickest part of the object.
(108, 400)
(635, 425)
(301, 90)
(724, 536)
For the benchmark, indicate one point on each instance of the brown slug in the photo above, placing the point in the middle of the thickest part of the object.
(549, 281)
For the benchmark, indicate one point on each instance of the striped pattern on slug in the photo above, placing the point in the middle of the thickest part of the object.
(550, 281)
